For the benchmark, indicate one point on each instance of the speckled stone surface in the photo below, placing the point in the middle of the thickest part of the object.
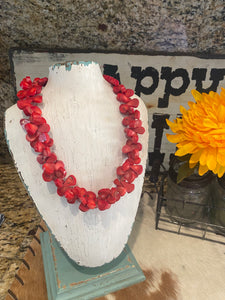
(19, 227)
(128, 26)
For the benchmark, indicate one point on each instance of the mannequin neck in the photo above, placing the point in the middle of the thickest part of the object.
(72, 74)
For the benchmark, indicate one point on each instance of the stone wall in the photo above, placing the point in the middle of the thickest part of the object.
(127, 26)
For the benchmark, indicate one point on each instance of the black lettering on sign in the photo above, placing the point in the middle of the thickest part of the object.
(111, 70)
(169, 76)
(156, 157)
(216, 75)
(139, 75)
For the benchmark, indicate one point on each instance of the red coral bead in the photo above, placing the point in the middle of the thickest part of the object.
(111, 80)
(126, 165)
(137, 146)
(23, 122)
(129, 176)
(38, 147)
(61, 190)
(133, 154)
(21, 94)
(124, 108)
(131, 111)
(31, 138)
(37, 119)
(59, 164)
(37, 98)
(137, 114)
(29, 109)
(32, 91)
(41, 159)
(138, 169)
(70, 181)
(44, 128)
(135, 123)
(103, 193)
(46, 151)
(127, 120)
(122, 88)
(128, 186)
(135, 161)
(91, 199)
(38, 88)
(43, 81)
(36, 81)
(134, 102)
(129, 132)
(116, 89)
(59, 182)
(49, 143)
(31, 129)
(47, 177)
(120, 171)
(44, 138)
(129, 93)
(122, 190)
(69, 195)
(91, 195)
(26, 83)
(134, 138)
(91, 204)
(111, 199)
(122, 98)
(139, 130)
(103, 205)
(115, 193)
(49, 168)
(52, 158)
(83, 208)
(60, 172)
(127, 149)
(21, 104)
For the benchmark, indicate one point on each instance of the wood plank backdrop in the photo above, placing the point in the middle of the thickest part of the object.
(163, 82)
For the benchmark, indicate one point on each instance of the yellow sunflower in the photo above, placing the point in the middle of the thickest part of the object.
(201, 132)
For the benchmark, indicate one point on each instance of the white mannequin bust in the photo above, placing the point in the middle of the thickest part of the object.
(85, 121)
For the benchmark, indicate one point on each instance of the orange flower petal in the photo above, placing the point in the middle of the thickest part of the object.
(195, 157)
(211, 161)
(201, 131)
(174, 138)
(203, 157)
(202, 169)
(186, 149)
(221, 171)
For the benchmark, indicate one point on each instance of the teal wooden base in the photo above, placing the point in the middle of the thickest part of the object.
(67, 280)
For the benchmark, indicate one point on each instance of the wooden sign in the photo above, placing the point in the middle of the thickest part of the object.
(163, 82)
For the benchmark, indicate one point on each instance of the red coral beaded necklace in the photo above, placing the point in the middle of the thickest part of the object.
(37, 133)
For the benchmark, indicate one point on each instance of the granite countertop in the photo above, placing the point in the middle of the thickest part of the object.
(19, 226)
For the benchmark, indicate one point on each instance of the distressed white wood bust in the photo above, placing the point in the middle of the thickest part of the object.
(85, 121)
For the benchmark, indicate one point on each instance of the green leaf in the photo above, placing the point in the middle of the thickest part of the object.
(184, 171)
(184, 158)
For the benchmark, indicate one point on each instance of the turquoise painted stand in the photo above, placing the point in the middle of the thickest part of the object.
(67, 280)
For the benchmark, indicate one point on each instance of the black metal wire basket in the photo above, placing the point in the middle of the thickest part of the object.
(201, 229)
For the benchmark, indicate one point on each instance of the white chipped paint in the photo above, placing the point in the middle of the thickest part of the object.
(85, 121)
